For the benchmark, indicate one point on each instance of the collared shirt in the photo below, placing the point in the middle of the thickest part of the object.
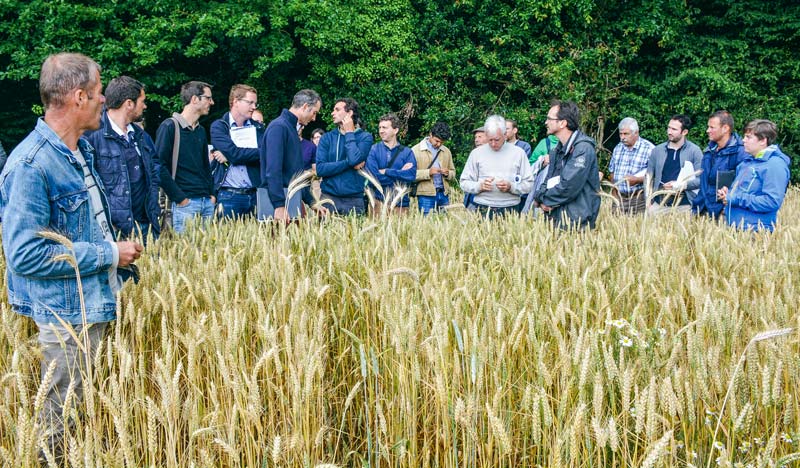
(629, 161)
(237, 176)
(135, 167)
(438, 181)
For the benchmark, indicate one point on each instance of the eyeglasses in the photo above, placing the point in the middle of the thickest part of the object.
(201, 96)
(250, 103)
(551, 118)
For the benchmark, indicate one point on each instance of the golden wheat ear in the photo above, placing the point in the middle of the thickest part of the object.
(56, 237)
(299, 182)
(372, 180)
(398, 192)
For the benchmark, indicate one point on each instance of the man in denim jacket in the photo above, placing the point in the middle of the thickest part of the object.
(49, 186)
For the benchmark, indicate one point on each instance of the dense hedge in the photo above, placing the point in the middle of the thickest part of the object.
(429, 60)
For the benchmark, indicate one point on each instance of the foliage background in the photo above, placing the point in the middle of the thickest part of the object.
(456, 61)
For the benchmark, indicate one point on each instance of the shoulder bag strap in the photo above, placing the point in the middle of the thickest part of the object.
(394, 157)
(435, 158)
(176, 144)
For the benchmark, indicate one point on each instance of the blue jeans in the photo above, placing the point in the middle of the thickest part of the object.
(236, 203)
(181, 215)
(426, 204)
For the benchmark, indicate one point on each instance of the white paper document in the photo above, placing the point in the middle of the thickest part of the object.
(553, 181)
(687, 173)
(244, 137)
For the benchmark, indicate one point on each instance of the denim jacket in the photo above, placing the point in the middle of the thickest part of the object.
(42, 189)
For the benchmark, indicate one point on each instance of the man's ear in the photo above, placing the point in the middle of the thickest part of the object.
(78, 96)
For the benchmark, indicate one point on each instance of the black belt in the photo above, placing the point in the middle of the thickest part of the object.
(239, 191)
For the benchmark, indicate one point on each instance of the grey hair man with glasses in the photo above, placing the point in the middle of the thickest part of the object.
(191, 190)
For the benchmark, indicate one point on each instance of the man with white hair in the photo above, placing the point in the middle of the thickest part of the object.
(497, 172)
(627, 168)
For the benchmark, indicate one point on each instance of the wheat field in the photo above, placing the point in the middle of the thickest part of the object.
(440, 342)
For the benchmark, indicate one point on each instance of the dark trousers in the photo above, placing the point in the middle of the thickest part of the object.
(346, 205)
(491, 212)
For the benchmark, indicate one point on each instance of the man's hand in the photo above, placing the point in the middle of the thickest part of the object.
(129, 252)
(184, 202)
(348, 125)
(503, 185)
(435, 170)
(321, 211)
(219, 157)
(546, 161)
(545, 208)
(382, 171)
(281, 214)
(444, 172)
(213, 199)
(722, 195)
(668, 185)
(360, 166)
(486, 184)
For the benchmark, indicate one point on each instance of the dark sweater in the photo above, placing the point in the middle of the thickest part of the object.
(193, 176)
(281, 158)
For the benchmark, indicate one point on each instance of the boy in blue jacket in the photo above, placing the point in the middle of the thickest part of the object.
(757, 192)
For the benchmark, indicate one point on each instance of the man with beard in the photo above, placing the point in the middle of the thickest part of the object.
(665, 163)
(126, 161)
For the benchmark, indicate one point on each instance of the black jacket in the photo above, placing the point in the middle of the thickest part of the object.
(110, 151)
(574, 199)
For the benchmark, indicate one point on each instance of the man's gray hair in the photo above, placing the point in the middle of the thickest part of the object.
(63, 73)
(495, 123)
(630, 123)
(305, 96)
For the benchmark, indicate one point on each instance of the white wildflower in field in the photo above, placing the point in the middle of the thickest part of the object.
(625, 341)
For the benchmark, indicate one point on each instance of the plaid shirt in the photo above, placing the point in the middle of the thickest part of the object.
(628, 161)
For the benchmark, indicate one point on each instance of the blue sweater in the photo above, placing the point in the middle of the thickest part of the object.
(379, 157)
(716, 159)
(758, 190)
(336, 156)
(281, 158)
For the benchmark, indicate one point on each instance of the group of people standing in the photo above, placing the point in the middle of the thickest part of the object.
(85, 184)
(742, 180)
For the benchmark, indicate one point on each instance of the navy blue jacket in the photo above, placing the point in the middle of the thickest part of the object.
(714, 160)
(380, 155)
(336, 156)
(249, 157)
(110, 151)
(281, 158)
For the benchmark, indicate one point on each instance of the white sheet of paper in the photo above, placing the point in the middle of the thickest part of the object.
(244, 137)
(687, 172)
(553, 181)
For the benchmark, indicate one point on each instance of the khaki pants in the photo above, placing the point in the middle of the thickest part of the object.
(59, 347)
